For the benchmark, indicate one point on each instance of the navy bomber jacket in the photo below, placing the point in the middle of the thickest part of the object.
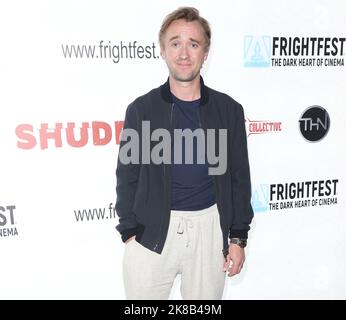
(144, 189)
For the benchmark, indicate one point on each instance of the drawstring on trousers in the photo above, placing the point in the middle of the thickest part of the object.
(183, 226)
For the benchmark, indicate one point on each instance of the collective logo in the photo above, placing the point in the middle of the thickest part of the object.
(263, 126)
(7, 221)
(282, 51)
(314, 123)
(294, 195)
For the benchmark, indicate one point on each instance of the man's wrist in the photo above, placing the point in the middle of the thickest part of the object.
(130, 239)
(241, 242)
(127, 234)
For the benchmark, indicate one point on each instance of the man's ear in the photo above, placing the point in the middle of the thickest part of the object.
(206, 55)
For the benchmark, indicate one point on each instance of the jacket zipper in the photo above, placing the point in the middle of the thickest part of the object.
(224, 251)
(164, 177)
(199, 117)
(214, 178)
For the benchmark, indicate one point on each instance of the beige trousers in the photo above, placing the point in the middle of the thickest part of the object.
(193, 248)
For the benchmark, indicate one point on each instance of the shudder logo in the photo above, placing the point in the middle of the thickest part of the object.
(71, 134)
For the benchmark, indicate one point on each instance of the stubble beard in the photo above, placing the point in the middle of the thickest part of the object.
(184, 77)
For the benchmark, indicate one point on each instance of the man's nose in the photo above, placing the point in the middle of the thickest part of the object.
(184, 53)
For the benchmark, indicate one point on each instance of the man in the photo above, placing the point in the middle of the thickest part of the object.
(175, 217)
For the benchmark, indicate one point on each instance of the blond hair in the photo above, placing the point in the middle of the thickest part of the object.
(188, 14)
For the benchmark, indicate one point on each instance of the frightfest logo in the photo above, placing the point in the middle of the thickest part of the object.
(282, 51)
(257, 51)
(7, 221)
(279, 197)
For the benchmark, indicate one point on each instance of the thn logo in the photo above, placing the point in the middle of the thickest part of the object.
(314, 123)
(7, 222)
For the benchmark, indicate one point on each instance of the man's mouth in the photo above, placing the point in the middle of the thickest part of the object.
(184, 65)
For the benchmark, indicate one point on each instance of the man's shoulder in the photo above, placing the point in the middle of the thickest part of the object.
(145, 98)
(224, 98)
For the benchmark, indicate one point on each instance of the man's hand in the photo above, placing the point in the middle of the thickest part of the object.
(129, 239)
(234, 260)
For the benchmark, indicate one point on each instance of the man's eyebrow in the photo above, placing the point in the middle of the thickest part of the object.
(174, 38)
(191, 39)
(194, 40)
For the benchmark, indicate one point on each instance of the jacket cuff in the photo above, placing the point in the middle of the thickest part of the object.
(128, 233)
(238, 234)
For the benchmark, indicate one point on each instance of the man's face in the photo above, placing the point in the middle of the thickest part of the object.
(184, 49)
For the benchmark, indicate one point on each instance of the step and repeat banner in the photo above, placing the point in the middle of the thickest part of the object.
(69, 69)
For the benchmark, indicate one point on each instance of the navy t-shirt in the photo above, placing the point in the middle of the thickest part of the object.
(192, 187)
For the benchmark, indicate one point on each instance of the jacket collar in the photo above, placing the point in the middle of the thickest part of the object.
(167, 95)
